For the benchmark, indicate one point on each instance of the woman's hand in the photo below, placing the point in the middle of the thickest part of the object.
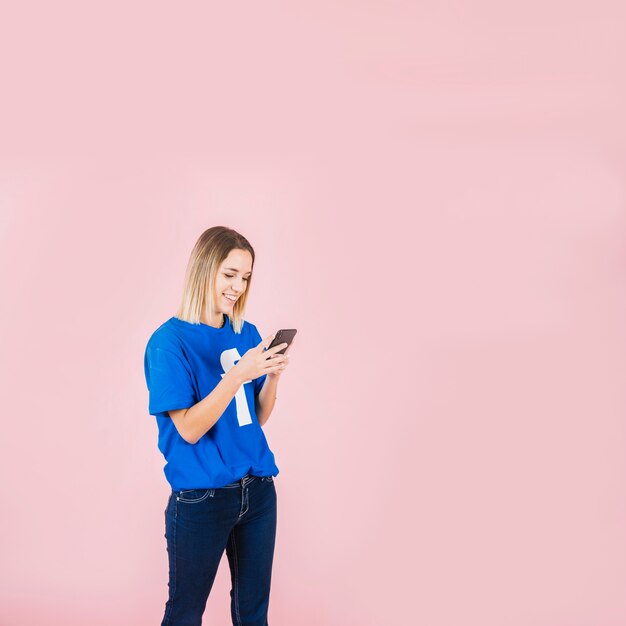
(285, 362)
(257, 361)
(283, 365)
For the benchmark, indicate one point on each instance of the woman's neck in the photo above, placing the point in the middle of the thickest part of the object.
(217, 323)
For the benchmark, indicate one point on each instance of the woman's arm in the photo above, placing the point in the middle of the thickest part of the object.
(194, 422)
(266, 399)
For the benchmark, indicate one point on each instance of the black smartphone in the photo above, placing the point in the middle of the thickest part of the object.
(284, 335)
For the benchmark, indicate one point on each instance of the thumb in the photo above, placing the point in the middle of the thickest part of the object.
(266, 342)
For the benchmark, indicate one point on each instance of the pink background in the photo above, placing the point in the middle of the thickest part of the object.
(436, 196)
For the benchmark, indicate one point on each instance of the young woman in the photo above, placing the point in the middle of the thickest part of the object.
(212, 385)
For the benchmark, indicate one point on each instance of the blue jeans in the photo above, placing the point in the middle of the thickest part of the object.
(199, 525)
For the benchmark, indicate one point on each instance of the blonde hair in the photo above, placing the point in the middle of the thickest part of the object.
(211, 249)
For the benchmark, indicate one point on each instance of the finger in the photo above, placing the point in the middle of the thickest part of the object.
(275, 349)
(265, 342)
(273, 366)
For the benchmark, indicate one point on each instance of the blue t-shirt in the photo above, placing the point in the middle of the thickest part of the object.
(183, 363)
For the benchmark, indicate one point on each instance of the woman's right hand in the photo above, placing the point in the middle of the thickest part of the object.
(258, 361)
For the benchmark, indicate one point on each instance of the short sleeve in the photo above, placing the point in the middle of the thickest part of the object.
(169, 380)
(258, 382)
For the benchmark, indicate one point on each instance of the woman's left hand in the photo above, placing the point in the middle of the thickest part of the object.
(276, 374)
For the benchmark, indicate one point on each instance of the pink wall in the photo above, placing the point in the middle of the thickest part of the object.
(436, 196)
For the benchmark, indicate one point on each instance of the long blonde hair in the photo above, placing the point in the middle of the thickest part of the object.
(212, 247)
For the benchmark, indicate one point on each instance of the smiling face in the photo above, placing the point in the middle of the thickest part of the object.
(231, 282)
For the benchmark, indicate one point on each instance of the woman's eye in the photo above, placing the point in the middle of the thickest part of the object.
(231, 276)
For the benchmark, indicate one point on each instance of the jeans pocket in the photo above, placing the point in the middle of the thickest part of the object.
(193, 496)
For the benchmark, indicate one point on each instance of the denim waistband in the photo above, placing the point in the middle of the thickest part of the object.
(242, 481)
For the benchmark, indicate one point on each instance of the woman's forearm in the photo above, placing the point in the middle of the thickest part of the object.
(266, 399)
(201, 417)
